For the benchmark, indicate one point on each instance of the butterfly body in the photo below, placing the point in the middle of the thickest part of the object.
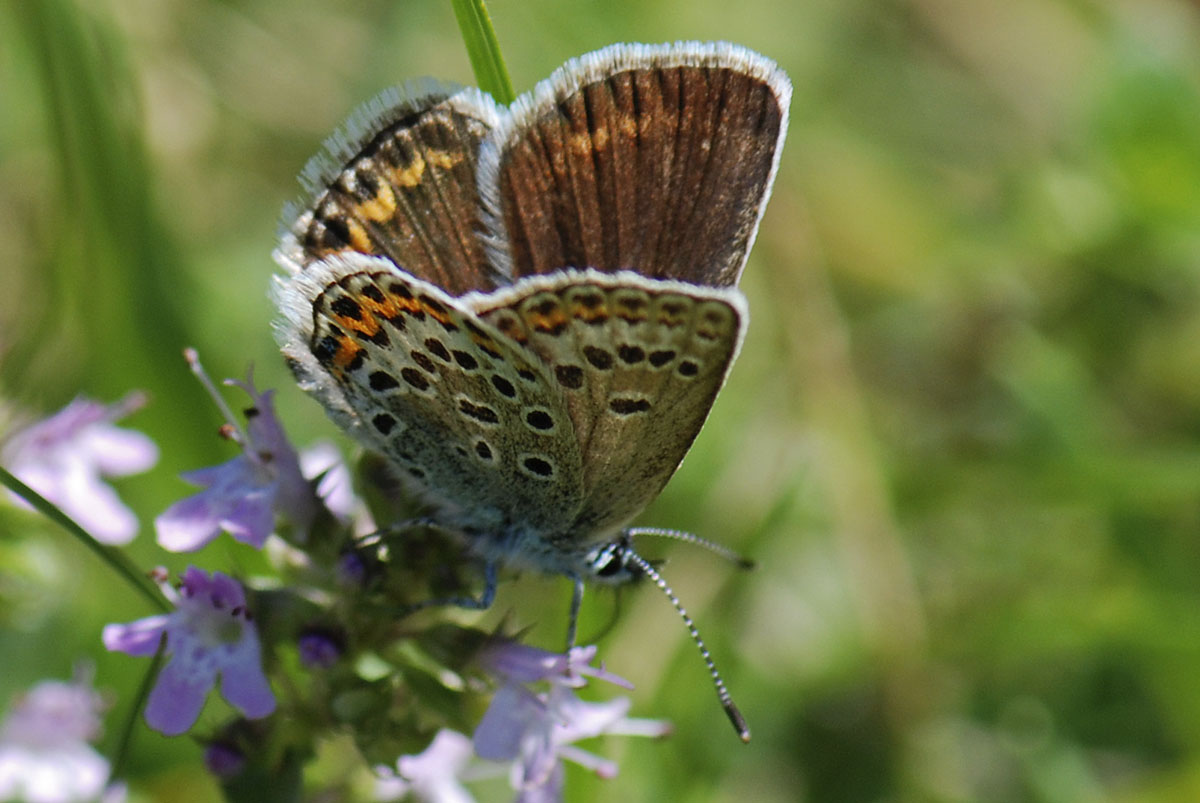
(529, 311)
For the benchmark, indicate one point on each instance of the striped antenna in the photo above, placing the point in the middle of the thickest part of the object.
(723, 551)
(731, 710)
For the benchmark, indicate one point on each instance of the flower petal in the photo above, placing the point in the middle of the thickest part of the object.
(236, 500)
(71, 773)
(335, 487)
(95, 506)
(520, 663)
(243, 684)
(178, 696)
(549, 791)
(582, 720)
(434, 772)
(138, 638)
(62, 458)
(250, 518)
(499, 734)
(118, 452)
(187, 525)
(223, 589)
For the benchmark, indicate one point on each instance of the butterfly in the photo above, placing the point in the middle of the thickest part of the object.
(529, 310)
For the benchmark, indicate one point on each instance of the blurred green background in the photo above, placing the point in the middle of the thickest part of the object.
(961, 439)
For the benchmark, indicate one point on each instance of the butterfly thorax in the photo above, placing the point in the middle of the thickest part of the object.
(588, 555)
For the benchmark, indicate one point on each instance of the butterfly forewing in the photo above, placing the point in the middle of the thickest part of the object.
(466, 416)
(401, 183)
(639, 363)
(653, 159)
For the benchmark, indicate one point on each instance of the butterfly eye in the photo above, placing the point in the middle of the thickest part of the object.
(609, 561)
(612, 568)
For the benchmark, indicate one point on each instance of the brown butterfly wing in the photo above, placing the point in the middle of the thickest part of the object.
(657, 159)
(400, 181)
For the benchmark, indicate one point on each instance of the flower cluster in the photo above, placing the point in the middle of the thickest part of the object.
(314, 649)
(535, 730)
(528, 729)
(209, 634)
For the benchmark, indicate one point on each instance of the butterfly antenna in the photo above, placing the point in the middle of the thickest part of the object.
(731, 710)
(724, 551)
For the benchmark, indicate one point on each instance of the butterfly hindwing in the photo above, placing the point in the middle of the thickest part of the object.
(468, 419)
(639, 363)
(656, 159)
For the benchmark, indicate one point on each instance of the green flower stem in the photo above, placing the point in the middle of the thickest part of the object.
(121, 754)
(483, 49)
(115, 559)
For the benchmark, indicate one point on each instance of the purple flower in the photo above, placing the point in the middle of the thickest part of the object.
(319, 648)
(536, 729)
(323, 462)
(519, 663)
(209, 633)
(224, 760)
(44, 752)
(64, 457)
(431, 776)
(242, 495)
(350, 570)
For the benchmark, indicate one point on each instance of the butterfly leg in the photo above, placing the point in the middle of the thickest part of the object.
(483, 603)
(489, 591)
(400, 527)
(373, 540)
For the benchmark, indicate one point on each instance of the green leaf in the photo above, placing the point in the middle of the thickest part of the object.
(483, 49)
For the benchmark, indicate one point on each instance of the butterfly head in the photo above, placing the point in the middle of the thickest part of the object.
(613, 563)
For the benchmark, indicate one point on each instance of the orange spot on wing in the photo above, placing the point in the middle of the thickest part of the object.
(397, 304)
(410, 176)
(359, 239)
(583, 144)
(347, 352)
(588, 314)
(439, 315)
(552, 322)
(673, 313)
(634, 312)
(390, 307)
(512, 328)
(367, 324)
(380, 208)
(445, 160)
